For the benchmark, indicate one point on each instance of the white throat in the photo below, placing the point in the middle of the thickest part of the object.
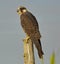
(24, 10)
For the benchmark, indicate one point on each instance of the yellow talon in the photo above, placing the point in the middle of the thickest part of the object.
(27, 38)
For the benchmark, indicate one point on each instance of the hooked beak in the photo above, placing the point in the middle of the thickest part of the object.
(18, 11)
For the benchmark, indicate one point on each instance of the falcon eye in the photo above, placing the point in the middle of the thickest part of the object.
(22, 8)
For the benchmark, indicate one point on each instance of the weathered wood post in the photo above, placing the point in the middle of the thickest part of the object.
(28, 52)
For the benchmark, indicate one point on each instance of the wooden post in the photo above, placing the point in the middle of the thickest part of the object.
(28, 52)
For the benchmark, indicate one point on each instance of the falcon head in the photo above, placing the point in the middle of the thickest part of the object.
(21, 10)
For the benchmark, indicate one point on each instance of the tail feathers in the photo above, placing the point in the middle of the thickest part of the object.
(39, 48)
(40, 52)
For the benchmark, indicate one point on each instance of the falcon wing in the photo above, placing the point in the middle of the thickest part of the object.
(30, 25)
(31, 28)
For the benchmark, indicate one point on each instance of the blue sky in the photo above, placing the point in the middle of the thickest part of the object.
(47, 13)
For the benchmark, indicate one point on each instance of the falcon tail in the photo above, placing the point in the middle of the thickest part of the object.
(39, 48)
(40, 52)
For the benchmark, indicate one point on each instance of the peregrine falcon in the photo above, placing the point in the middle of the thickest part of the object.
(31, 28)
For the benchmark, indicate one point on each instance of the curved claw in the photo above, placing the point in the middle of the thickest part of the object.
(26, 39)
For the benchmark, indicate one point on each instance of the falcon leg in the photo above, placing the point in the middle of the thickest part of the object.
(26, 39)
